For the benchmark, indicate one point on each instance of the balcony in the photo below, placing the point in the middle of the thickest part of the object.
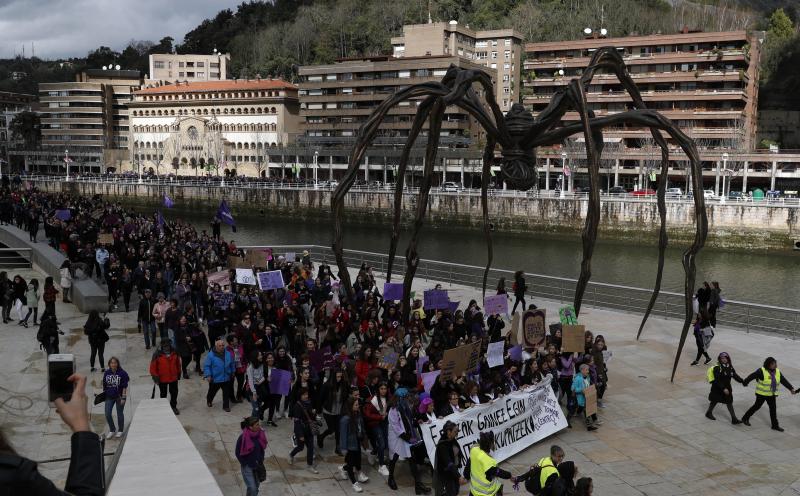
(650, 77)
(386, 125)
(642, 59)
(650, 96)
(312, 85)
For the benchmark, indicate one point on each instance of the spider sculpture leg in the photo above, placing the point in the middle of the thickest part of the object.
(488, 155)
(655, 120)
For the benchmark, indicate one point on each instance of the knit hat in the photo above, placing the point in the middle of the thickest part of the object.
(423, 405)
(401, 392)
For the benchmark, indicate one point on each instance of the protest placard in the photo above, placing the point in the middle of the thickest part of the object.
(494, 354)
(222, 278)
(429, 378)
(223, 300)
(388, 360)
(533, 326)
(63, 214)
(518, 420)
(515, 353)
(272, 279)
(514, 329)
(454, 306)
(495, 304)
(255, 258)
(567, 315)
(473, 352)
(105, 239)
(421, 361)
(573, 338)
(590, 393)
(453, 362)
(435, 299)
(393, 290)
(280, 382)
(321, 359)
(237, 262)
(246, 277)
(291, 256)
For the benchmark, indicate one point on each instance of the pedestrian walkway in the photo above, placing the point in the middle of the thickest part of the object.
(654, 439)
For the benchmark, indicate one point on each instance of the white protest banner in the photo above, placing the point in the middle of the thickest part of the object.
(494, 354)
(518, 420)
(246, 277)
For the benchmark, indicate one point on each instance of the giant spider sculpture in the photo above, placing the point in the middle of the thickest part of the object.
(518, 134)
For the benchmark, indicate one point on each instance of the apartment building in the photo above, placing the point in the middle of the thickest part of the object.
(499, 50)
(85, 122)
(336, 99)
(189, 67)
(11, 104)
(707, 83)
(200, 127)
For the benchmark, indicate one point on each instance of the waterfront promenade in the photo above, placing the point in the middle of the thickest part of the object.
(654, 440)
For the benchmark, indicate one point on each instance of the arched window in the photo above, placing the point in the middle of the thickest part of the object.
(272, 110)
(245, 111)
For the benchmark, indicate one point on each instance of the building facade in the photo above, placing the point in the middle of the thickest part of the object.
(206, 127)
(499, 50)
(707, 83)
(336, 99)
(85, 123)
(11, 104)
(189, 67)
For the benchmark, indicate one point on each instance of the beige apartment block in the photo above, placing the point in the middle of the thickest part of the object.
(707, 83)
(499, 50)
(189, 67)
(11, 104)
(207, 127)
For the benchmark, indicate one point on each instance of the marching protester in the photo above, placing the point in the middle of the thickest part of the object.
(304, 424)
(115, 387)
(218, 370)
(353, 436)
(448, 478)
(481, 469)
(403, 435)
(767, 380)
(165, 369)
(249, 451)
(703, 333)
(95, 328)
(720, 376)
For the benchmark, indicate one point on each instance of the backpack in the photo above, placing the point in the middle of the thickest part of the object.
(533, 482)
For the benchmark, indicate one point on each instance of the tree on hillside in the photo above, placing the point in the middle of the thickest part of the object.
(27, 127)
(102, 56)
(780, 26)
(779, 44)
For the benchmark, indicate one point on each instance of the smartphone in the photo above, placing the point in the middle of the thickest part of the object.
(59, 368)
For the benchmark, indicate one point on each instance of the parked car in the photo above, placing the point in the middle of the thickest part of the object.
(617, 190)
(450, 187)
(736, 196)
(644, 192)
(674, 193)
(709, 194)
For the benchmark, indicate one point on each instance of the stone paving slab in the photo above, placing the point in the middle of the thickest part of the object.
(654, 441)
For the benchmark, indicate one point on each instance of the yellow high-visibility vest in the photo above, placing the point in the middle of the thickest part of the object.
(479, 463)
(764, 386)
(548, 469)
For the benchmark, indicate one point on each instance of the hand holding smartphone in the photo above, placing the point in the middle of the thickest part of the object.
(60, 367)
(66, 391)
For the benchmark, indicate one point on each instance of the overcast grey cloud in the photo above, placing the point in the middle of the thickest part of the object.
(69, 28)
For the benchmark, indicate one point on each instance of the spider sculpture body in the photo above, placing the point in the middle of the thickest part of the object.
(518, 134)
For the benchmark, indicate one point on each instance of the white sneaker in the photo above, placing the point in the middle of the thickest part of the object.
(357, 487)
(362, 477)
(383, 470)
(313, 469)
(342, 473)
(371, 459)
(291, 460)
(278, 416)
(119, 434)
(110, 434)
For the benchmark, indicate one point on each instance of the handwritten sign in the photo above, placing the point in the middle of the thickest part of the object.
(533, 326)
(495, 304)
(573, 338)
(255, 258)
(494, 354)
(514, 330)
(222, 278)
(236, 262)
(435, 299)
(321, 359)
(280, 382)
(223, 300)
(105, 239)
(393, 291)
(429, 379)
(590, 394)
(388, 361)
(567, 315)
(246, 277)
(272, 279)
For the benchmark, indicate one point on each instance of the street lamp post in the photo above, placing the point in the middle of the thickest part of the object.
(724, 173)
(139, 162)
(66, 161)
(316, 164)
(563, 194)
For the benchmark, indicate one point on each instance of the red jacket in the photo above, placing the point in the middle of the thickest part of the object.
(372, 416)
(165, 368)
(362, 369)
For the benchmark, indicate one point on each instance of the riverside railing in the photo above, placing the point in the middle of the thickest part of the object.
(389, 189)
(736, 314)
(15, 258)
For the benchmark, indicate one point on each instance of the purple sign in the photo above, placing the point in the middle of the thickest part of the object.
(515, 353)
(64, 214)
(309, 284)
(454, 306)
(280, 382)
(421, 361)
(497, 304)
(393, 291)
(436, 299)
(272, 279)
(321, 359)
(429, 379)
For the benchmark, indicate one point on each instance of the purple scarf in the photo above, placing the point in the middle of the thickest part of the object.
(248, 439)
(773, 386)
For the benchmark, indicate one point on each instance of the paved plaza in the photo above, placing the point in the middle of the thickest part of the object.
(654, 439)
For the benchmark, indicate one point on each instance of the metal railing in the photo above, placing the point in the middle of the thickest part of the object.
(735, 314)
(164, 181)
(15, 258)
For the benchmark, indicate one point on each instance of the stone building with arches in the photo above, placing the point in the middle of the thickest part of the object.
(207, 127)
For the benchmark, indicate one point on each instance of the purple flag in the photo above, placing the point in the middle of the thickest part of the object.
(429, 378)
(280, 382)
(393, 291)
(64, 214)
(168, 201)
(421, 361)
(454, 306)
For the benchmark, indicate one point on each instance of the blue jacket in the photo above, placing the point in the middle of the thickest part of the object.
(578, 386)
(350, 439)
(220, 369)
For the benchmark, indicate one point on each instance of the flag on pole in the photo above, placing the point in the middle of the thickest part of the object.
(168, 201)
(224, 214)
(160, 219)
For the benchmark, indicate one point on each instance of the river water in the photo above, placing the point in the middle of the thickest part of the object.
(756, 277)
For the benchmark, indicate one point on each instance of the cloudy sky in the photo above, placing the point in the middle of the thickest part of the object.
(64, 28)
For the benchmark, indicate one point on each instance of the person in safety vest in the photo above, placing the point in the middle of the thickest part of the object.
(767, 379)
(720, 377)
(541, 479)
(482, 470)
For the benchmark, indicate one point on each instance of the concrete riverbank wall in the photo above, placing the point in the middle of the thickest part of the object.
(731, 225)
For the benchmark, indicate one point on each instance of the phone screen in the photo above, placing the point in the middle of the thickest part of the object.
(59, 386)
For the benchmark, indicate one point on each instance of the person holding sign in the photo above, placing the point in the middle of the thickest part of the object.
(482, 470)
(403, 435)
(579, 384)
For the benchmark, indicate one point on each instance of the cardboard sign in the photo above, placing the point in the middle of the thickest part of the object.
(393, 291)
(237, 262)
(473, 356)
(255, 258)
(514, 329)
(272, 279)
(246, 277)
(222, 278)
(494, 355)
(429, 379)
(590, 393)
(495, 304)
(534, 331)
(435, 299)
(567, 315)
(573, 338)
(105, 239)
(280, 382)
(388, 361)
(456, 361)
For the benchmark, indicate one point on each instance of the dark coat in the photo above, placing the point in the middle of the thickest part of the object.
(722, 381)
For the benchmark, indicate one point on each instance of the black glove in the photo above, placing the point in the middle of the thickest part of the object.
(405, 437)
